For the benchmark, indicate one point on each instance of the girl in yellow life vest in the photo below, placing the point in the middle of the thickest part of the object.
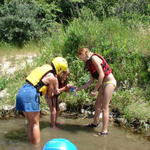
(41, 81)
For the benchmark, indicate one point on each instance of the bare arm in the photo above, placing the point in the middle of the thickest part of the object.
(63, 89)
(66, 88)
(86, 85)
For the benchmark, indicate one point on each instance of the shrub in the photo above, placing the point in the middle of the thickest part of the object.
(69, 9)
(132, 104)
(111, 38)
(24, 20)
(123, 9)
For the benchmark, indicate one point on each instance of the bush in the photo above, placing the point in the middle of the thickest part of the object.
(112, 39)
(132, 104)
(24, 20)
(123, 9)
(69, 9)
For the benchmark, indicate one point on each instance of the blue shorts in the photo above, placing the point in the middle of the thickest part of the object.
(28, 99)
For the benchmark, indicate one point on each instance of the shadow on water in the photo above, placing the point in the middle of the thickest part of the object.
(21, 134)
(17, 135)
(72, 128)
(75, 128)
(44, 124)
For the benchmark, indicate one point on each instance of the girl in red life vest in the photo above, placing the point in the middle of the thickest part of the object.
(106, 83)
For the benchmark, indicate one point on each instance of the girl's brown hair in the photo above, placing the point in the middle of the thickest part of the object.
(83, 50)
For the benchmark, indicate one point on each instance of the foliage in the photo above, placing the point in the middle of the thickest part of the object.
(69, 9)
(125, 9)
(116, 42)
(3, 83)
(131, 103)
(25, 20)
(100, 7)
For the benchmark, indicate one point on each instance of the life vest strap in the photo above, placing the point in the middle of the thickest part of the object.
(29, 82)
(38, 86)
(107, 69)
(103, 65)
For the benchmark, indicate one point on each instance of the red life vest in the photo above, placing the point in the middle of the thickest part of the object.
(92, 69)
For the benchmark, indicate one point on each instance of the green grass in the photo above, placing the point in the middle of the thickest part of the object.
(133, 103)
(30, 47)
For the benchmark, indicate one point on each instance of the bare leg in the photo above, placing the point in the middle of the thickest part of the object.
(57, 111)
(98, 105)
(33, 126)
(107, 95)
(53, 117)
(53, 110)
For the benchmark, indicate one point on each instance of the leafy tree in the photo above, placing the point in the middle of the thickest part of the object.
(23, 20)
(122, 8)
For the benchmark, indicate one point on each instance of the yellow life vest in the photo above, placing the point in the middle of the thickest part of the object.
(36, 75)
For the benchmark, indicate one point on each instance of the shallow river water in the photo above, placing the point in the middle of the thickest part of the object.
(13, 136)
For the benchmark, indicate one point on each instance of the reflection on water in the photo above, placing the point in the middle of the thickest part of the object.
(13, 136)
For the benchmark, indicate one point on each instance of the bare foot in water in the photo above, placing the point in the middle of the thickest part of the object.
(56, 125)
